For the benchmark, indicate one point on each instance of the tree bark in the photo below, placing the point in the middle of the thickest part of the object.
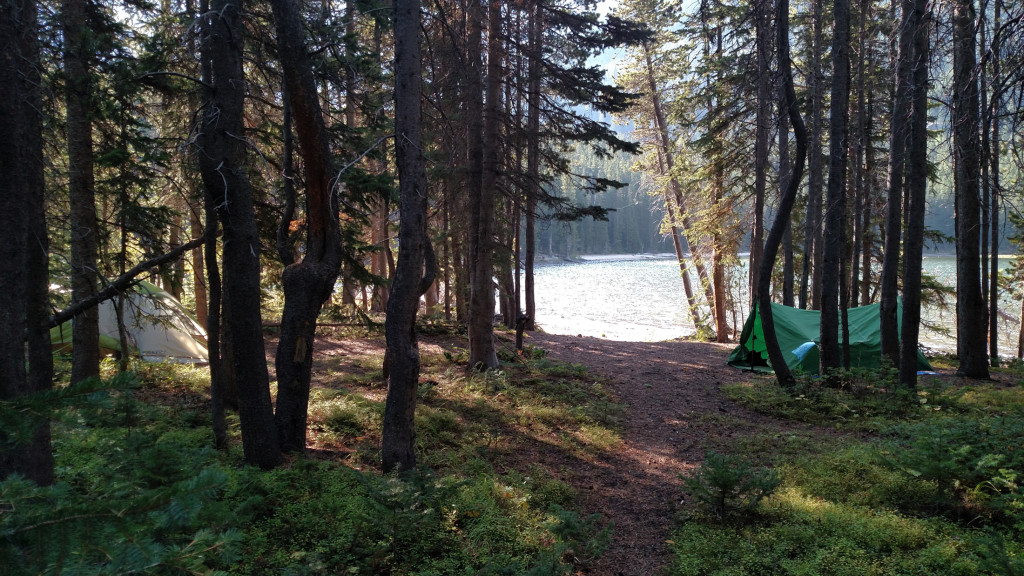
(482, 354)
(85, 355)
(900, 133)
(309, 282)
(916, 197)
(535, 29)
(23, 241)
(972, 317)
(414, 246)
(771, 247)
(762, 23)
(222, 163)
(835, 215)
(810, 279)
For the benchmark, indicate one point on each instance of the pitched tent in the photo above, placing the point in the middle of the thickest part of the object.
(798, 332)
(159, 328)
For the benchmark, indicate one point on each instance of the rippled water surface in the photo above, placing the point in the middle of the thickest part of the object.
(642, 299)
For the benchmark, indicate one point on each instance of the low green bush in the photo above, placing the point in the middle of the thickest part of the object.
(726, 485)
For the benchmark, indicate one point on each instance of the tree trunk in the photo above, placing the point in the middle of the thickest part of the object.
(810, 279)
(785, 170)
(481, 315)
(198, 268)
(222, 162)
(900, 133)
(762, 23)
(916, 195)
(414, 250)
(782, 217)
(85, 355)
(835, 216)
(995, 109)
(219, 393)
(533, 75)
(23, 241)
(309, 283)
(972, 317)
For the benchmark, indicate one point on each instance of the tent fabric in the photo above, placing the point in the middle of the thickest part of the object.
(159, 328)
(798, 332)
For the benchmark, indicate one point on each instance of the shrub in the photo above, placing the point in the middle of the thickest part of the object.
(726, 484)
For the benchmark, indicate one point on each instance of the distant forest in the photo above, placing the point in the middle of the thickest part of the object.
(634, 217)
(636, 214)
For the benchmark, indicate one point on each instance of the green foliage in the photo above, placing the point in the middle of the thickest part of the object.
(726, 484)
(138, 491)
(322, 519)
(969, 462)
(802, 535)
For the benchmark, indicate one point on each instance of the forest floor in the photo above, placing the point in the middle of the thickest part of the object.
(674, 411)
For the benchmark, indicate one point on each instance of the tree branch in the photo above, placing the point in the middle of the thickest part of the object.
(123, 282)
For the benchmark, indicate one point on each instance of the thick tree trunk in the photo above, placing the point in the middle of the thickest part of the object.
(310, 282)
(972, 317)
(85, 355)
(23, 241)
(414, 246)
(222, 161)
(833, 282)
(482, 354)
(916, 192)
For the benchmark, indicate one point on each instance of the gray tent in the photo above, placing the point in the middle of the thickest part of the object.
(159, 328)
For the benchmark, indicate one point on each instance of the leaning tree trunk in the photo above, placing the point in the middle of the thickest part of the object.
(222, 163)
(414, 249)
(971, 325)
(681, 233)
(309, 283)
(774, 239)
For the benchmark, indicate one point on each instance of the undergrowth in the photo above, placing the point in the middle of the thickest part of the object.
(141, 491)
(898, 482)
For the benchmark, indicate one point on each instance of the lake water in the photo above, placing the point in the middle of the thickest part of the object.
(640, 298)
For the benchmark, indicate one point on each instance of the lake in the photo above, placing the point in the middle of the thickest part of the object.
(640, 298)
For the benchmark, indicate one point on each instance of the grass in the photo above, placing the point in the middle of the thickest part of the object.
(128, 459)
(875, 481)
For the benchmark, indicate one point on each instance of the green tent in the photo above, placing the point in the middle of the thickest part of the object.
(798, 332)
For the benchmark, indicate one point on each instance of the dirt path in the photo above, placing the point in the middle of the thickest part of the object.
(675, 412)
